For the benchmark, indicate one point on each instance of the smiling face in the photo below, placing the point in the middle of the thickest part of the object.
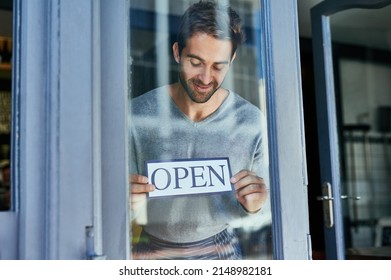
(204, 63)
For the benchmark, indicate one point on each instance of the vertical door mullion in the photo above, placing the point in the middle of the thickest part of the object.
(286, 141)
(114, 91)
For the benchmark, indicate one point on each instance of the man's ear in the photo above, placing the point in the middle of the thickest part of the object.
(175, 52)
(233, 57)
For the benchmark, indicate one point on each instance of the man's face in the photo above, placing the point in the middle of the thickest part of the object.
(204, 62)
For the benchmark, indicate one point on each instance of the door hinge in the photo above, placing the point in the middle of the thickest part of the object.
(90, 239)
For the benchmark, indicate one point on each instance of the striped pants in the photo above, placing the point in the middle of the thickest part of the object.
(222, 246)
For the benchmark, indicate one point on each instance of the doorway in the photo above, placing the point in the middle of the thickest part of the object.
(361, 92)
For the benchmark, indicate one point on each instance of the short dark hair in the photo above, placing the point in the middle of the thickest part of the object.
(208, 17)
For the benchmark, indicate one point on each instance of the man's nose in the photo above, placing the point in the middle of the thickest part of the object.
(206, 76)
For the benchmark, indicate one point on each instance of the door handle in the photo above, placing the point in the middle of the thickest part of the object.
(344, 196)
(325, 197)
(327, 200)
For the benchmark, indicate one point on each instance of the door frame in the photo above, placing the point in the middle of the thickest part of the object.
(53, 155)
(288, 167)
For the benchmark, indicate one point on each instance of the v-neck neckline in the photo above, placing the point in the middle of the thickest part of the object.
(209, 118)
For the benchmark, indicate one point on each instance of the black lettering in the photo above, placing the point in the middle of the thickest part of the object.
(194, 176)
(221, 179)
(177, 178)
(168, 178)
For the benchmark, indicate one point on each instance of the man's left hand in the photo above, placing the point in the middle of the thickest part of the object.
(250, 190)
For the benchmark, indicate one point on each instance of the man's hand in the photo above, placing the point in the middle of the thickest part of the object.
(139, 188)
(250, 189)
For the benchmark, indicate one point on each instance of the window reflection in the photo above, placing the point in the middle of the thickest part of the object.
(5, 103)
(198, 99)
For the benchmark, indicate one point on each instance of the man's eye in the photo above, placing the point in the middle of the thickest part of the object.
(218, 67)
(195, 62)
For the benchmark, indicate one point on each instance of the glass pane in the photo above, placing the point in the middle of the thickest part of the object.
(197, 118)
(362, 50)
(5, 103)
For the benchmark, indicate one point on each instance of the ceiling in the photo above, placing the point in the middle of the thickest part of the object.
(365, 27)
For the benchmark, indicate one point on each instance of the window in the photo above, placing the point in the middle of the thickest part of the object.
(174, 134)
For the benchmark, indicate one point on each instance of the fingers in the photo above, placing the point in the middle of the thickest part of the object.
(248, 182)
(139, 184)
(240, 175)
(250, 190)
(136, 178)
(139, 187)
(253, 202)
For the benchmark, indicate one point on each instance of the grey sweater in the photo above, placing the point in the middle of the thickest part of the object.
(160, 131)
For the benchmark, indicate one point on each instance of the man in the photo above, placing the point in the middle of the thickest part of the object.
(196, 118)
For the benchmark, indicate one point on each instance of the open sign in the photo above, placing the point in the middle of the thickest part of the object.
(193, 176)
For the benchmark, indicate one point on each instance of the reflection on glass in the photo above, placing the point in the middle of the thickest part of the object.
(197, 118)
(364, 94)
(5, 105)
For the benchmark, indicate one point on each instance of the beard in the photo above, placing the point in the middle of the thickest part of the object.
(197, 96)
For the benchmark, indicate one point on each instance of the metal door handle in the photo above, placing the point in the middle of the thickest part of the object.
(327, 200)
(344, 196)
(325, 197)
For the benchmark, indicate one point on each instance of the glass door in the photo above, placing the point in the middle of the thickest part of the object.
(154, 64)
(353, 104)
(362, 59)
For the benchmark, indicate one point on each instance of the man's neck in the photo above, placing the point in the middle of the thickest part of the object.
(196, 111)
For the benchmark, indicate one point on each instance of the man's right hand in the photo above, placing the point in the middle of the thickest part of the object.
(139, 187)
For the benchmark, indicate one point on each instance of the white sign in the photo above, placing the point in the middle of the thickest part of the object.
(193, 176)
